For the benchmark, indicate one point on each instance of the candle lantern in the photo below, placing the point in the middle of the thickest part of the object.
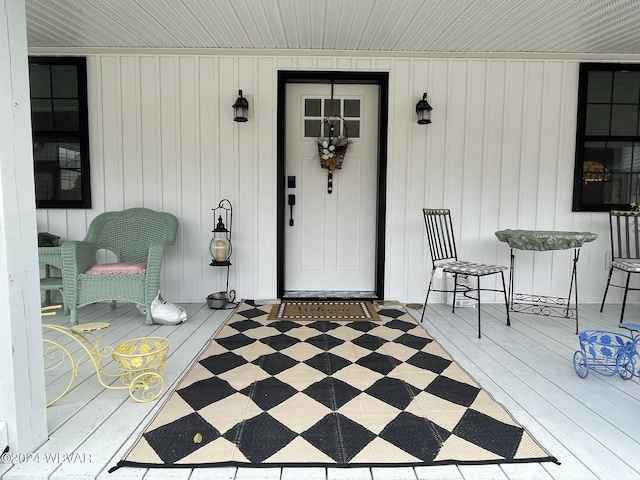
(220, 246)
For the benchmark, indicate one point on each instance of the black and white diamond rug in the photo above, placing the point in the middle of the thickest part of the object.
(329, 393)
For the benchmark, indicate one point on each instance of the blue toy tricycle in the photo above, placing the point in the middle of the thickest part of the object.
(607, 353)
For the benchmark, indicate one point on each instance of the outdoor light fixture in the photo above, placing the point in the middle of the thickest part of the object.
(240, 108)
(423, 109)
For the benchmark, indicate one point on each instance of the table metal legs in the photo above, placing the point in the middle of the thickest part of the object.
(542, 304)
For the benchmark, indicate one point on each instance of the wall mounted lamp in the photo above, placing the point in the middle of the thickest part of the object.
(240, 108)
(423, 109)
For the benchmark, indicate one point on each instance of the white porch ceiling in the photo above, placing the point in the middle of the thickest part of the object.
(404, 26)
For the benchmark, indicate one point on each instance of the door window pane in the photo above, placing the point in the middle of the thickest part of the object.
(352, 108)
(353, 128)
(321, 109)
(312, 107)
(311, 128)
(336, 107)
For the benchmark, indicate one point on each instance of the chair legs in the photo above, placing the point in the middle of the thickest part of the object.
(606, 289)
(506, 299)
(624, 298)
(428, 291)
(73, 314)
(455, 293)
(149, 318)
(478, 303)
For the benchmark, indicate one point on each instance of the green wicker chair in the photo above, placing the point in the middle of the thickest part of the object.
(134, 235)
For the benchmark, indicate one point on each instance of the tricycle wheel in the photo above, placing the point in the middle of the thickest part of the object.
(627, 369)
(146, 387)
(580, 364)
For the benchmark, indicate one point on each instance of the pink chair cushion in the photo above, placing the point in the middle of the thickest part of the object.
(119, 268)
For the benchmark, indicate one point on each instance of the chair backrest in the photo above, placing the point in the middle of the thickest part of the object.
(624, 234)
(129, 233)
(442, 243)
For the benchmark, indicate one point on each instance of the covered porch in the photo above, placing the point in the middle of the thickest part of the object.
(589, 425)
(500, 152)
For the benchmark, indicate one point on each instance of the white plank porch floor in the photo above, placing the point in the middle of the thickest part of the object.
(591, 425)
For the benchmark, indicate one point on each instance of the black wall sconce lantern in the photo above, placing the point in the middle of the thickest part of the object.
(240, 109)
(423, 109)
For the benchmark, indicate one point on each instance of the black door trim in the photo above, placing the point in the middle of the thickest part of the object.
(378, 78)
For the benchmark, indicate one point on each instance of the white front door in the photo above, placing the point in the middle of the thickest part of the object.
(331, 245)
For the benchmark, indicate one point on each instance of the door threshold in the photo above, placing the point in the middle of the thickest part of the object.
(328, 295)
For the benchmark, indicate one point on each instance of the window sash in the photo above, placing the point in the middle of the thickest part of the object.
(60, 128)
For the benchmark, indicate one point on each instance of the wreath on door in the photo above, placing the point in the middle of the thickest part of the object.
(332, 148)
(332, 142)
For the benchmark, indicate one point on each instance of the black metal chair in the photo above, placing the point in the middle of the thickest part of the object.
(625, 251)
(444, 255)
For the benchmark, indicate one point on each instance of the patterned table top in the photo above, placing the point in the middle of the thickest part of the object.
(541, 240)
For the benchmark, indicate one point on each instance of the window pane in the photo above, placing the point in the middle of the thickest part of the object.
(617, 190)
(353, 128)
(313, 107)
(599, 89)
(626, 87)
(39, 81)
(327, 107)
(636, 158)
(41, 115)
(64, 79)
(66, 115)
(620, 155)
(597, 158)
(352, 108)
(311, 128)
(597, 122)
(595, 173)
(58, 168)
(624, 119)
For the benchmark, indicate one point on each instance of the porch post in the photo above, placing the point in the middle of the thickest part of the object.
(22, 398)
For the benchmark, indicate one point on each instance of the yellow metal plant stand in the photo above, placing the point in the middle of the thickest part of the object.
(140, 361)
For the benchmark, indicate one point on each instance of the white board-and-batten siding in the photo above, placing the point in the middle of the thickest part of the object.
(499, 154)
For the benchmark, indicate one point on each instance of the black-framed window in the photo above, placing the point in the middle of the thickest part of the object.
(607, 170)
(60, 129)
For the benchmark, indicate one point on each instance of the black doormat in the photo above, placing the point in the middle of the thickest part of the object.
(350, 310)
